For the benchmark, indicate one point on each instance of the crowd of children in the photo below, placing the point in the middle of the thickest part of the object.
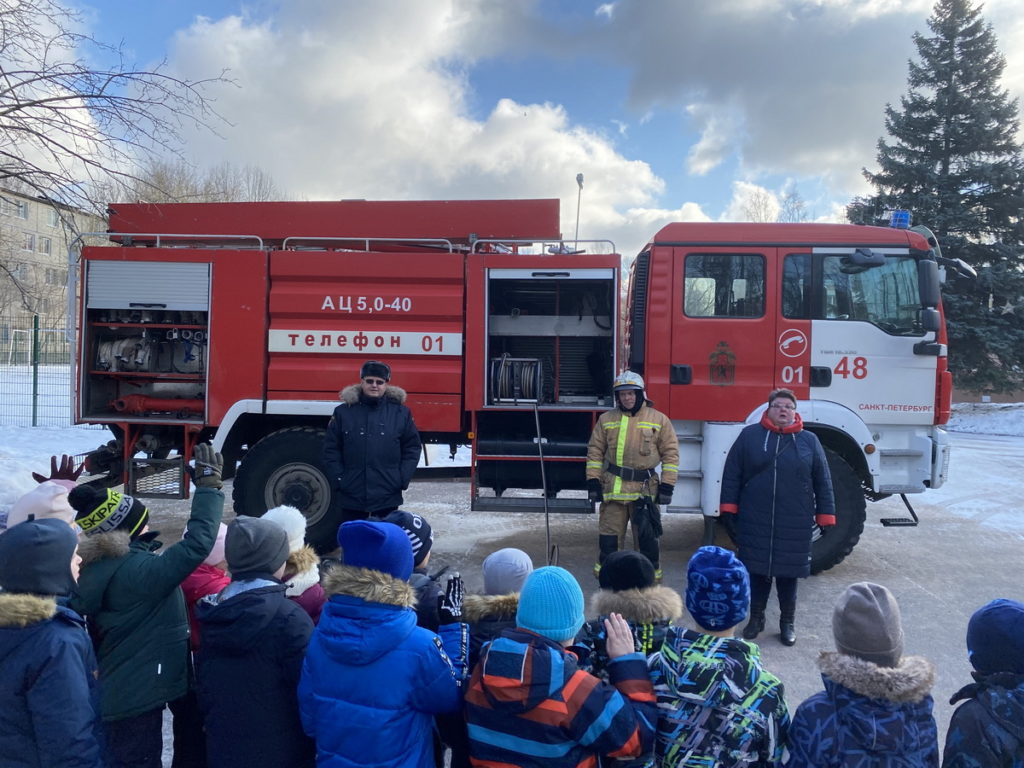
(267, 657)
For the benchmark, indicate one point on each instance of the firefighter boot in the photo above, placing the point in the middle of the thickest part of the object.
(606, 544)
(756, 624)
(787, 630)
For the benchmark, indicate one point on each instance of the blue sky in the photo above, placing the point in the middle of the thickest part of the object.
(672, 109)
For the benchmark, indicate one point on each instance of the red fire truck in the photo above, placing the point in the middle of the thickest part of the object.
(240, 322)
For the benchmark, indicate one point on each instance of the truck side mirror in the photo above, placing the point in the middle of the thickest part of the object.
(928, 281)
(930, 320)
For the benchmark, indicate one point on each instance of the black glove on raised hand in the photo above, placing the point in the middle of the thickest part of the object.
(594, 492)
(665, 493)
(449, 605)
(208, 467)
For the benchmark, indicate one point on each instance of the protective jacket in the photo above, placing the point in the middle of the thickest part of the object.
(717, 705)
(777, 482)
(247, 672)
(649, 612)
(371, 449)
(868, 716)
(988, 728)
(372, 680)
(528, 704)
(637, 442)
(136, 612)
(50, 714)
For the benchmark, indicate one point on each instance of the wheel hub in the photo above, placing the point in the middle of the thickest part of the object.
(301, 486)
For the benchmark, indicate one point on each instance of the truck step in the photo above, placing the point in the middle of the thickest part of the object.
(892, 453)
(894, 489)
(528, 504)
(695, 474)
(690, 438)
(673, 510)
(905, 522)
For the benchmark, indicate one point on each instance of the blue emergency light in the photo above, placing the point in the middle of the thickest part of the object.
(899, 219)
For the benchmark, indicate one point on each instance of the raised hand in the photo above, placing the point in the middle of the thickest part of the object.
(66, 470)
(449, 605)
(619, 640)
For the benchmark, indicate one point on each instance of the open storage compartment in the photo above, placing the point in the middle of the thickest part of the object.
(550, 337)
(145, 336)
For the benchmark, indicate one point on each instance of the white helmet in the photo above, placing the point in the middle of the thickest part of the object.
(628, 380)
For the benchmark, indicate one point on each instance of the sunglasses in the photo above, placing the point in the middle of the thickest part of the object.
(375, 382)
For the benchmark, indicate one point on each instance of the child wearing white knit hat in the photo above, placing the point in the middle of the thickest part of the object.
(302, 571)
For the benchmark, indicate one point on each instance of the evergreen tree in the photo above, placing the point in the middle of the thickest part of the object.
(952, 158)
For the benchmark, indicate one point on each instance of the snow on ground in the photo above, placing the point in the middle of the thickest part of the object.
(27, 449)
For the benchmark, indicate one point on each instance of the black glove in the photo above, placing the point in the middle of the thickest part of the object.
(594, 492)
(449, 605)
(208, 467)
(665, 493)
(66, 471)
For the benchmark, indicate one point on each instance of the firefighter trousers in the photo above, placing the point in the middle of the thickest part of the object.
(614, 516)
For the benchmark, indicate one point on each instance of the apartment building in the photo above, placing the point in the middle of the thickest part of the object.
(34, 237)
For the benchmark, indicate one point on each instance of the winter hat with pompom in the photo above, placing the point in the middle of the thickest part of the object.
(293, 522)
(101, 510)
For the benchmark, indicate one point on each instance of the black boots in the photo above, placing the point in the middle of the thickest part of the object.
(756, 624)
(606, 544)
(787, 630)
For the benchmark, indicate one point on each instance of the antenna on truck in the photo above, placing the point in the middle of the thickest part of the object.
(579, 196)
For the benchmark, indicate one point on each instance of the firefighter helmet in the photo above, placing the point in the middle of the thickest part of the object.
(628, 380)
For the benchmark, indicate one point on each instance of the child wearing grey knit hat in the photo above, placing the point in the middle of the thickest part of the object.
(883, 695)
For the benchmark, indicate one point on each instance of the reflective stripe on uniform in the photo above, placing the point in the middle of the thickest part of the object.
(620, 452)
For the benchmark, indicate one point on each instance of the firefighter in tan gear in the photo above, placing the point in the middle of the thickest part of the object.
(626, 446)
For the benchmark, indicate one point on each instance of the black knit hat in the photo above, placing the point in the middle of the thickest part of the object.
(375, 368)
(101, 510)
(35, 557)
(421, 537)
(626, 569)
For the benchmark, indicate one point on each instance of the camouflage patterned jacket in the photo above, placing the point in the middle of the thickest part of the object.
(716, 704)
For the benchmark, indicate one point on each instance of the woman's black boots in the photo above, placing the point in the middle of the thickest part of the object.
(787, 630)
(756, 624)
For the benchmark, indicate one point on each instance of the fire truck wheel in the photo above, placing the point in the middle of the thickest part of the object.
(831, 548)
(284, 468)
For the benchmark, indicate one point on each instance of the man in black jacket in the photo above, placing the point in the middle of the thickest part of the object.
(372, 446)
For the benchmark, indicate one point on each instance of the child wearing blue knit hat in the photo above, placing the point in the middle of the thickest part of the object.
(717, 704)
(526, 674)
(372, 680)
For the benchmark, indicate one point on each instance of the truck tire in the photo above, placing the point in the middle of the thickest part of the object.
(831, 548)
(284, 468)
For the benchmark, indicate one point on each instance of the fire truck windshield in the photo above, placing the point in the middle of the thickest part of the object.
(886, 296)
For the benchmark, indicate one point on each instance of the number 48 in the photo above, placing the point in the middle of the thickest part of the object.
(859, 369)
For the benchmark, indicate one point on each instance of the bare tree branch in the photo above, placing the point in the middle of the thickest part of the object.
(68, 127)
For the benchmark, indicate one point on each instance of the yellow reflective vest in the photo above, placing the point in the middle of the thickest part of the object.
(639, 442)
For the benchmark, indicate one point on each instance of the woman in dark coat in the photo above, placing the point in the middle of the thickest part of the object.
(776, 481)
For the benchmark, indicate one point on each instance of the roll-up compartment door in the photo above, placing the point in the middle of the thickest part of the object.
(183, 286)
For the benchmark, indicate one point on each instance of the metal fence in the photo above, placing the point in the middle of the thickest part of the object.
(35, 373)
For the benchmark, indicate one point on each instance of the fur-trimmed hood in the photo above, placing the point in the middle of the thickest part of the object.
(371, 586)
(639, 606)
(350, 394)
(478, 608)
(19, 610)
(104, 546)
(908, 683)
(303, 567)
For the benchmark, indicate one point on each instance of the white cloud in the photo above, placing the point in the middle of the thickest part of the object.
(342, 101)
